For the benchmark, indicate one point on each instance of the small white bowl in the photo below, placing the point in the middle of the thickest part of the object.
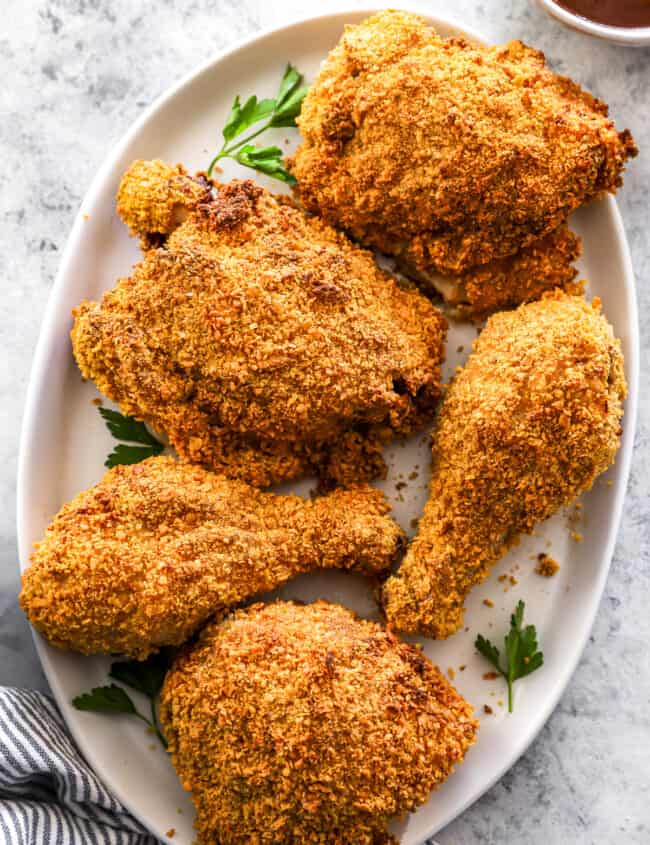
(638, 36)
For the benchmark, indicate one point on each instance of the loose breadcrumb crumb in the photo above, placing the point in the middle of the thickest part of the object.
(546, 566)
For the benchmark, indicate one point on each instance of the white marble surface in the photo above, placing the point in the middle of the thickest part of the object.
(75, 74)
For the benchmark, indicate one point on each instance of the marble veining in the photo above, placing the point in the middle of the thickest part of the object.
(75, 74)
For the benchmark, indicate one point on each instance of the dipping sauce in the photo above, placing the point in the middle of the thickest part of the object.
(624, 13)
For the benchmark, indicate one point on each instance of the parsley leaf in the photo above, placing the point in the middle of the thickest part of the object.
(128, 455)
(281, 111)
(286, 114)
(127, 428)
(290, 81)
(488, 651)
(145, 676)
(111, 699)
(241, 117)
(133, 431)
(522, 656)
(265, 159)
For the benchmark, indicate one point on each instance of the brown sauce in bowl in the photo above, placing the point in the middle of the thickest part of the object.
(623, 13)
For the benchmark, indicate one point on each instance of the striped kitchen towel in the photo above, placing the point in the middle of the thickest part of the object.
(49, 795)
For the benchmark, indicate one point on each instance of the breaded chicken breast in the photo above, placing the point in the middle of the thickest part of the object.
(529, 423)
(143, 558)
(259, 340)
(450, 155)
(305, 724)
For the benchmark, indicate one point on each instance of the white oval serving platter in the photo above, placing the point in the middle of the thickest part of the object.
(64, 445)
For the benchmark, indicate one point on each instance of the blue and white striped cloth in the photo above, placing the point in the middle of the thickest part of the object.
(49, 795)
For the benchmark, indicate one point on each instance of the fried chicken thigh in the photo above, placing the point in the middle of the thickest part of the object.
(450, 156)
(142, 559)
(529, 423)
(506, 282)
(305, 724)
(259, 340)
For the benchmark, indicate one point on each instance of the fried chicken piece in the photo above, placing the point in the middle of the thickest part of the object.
(528, 424)
(447, 154)
(143, 558)
(260, 341)
(507, 282)
(305, 724)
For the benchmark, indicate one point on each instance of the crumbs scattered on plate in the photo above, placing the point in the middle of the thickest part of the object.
(546, 565)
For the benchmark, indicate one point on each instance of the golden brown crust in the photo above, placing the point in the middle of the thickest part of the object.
(143, 558)
(305, 724)
(507, 282)
(265, 345)
(155, 198)
(528, 424)
(448, 154)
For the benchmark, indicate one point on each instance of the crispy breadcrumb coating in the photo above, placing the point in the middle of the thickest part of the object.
(143, 558)
(262, 343)
(305, 724)
(445, 153)
(528, 424)
(154, 198)
(507, 282)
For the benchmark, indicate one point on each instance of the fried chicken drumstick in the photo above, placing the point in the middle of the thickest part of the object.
(259, 340)
(529, 423)
(143, 558)
(451, 156)
(306, 724)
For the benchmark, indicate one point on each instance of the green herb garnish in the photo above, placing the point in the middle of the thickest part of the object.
(145, 676)
(133, 431)
(521, 653)
(282, 111)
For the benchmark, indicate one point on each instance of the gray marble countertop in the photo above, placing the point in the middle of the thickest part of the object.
(75, 74)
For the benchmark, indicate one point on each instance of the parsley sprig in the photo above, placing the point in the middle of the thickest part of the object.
(132, 431)
(281, 111)
(145, 676)
(521, 653)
